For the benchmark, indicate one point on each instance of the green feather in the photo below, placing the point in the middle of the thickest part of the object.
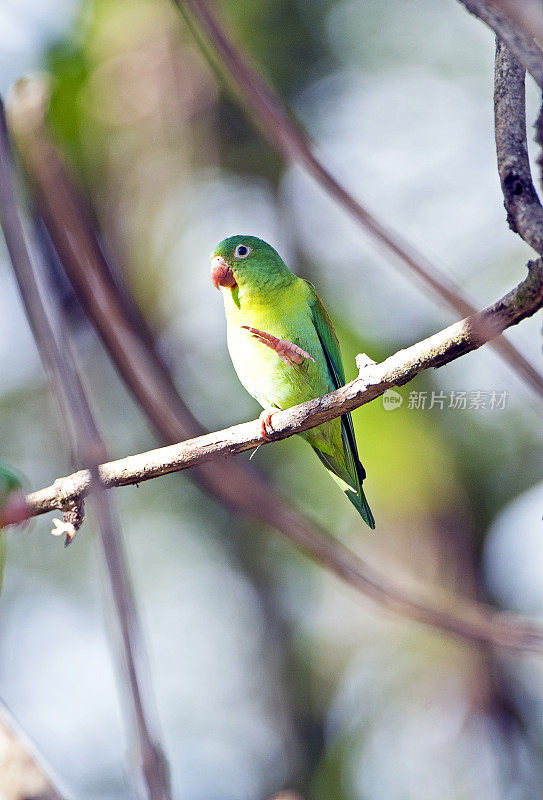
(352, 486)
(9, 482)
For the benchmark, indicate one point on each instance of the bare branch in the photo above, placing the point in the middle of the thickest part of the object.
(46, 320)
(439, 349)
(466, 619)
(286, 136)
(22, 773)
(524, 210)
(497, 15)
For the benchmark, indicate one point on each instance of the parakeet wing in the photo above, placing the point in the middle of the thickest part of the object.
(354, 469)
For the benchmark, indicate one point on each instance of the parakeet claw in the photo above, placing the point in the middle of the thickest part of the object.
(287, 351)
(265, 423)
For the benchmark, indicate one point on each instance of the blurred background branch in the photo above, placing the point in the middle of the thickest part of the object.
(22, 773)
(506, 23)
(149, 771)
(528, 14)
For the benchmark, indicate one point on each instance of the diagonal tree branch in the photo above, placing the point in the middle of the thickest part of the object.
(470, 620)
(286, 136)
(499, 16)
(46, 321)
(449, 344)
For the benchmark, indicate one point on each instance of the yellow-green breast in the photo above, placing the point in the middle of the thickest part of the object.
(285, 313)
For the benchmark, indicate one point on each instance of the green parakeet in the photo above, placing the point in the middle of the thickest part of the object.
(285, 350)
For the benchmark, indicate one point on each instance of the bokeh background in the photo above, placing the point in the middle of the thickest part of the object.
(269, 673)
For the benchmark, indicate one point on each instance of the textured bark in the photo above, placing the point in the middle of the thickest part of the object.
(524, 210)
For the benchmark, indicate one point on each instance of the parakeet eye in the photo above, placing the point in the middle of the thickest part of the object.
(242, 251)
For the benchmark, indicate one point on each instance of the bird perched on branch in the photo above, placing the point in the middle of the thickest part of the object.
(285, 350)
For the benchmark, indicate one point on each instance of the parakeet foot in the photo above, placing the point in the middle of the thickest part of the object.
(265, 423)
(287, 351)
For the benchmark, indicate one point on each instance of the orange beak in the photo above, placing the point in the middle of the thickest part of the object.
(221, 274)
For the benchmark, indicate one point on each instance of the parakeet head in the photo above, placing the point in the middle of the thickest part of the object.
(249, 263)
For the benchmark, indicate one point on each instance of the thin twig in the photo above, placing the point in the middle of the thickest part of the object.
(23, 775)
(45, 317)
(497, 15)
(234, 485)
(524, 210)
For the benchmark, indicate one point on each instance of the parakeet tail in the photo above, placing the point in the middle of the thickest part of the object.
(361, 504)
(350, 485)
